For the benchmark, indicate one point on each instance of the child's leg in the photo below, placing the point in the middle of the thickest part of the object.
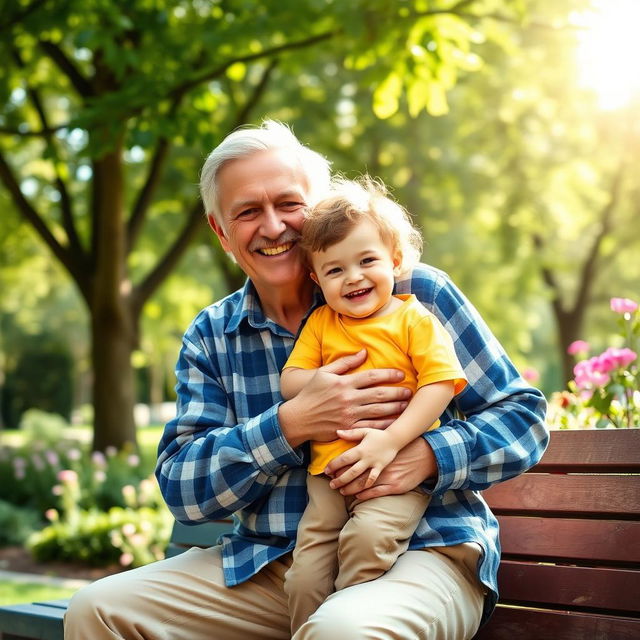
(377, 533)
(310, 579)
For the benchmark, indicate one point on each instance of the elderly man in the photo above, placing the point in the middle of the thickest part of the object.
(236, 448)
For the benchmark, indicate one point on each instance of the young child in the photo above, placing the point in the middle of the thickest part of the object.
(356, 242)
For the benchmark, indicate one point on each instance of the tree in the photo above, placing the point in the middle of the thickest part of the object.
(108, 107)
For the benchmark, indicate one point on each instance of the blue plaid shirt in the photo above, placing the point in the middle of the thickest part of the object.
(225, 454)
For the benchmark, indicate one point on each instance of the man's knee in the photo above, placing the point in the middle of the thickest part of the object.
(84, 607)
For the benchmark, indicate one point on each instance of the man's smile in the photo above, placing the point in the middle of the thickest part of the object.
(274, 251)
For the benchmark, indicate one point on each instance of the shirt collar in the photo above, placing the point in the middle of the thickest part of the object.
(248, 309)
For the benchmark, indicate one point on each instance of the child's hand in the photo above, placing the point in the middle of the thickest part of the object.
(374, 452)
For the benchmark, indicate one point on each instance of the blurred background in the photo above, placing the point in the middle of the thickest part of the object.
(509, 129)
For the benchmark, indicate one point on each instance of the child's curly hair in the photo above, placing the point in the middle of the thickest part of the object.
(348, 203)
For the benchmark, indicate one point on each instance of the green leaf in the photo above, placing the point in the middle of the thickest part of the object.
(386, 96)
(437, 99)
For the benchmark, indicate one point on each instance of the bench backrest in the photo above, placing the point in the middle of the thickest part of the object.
(570, 535)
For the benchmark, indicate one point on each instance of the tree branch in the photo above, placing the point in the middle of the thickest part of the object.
(21, 15)
(42, 133)
(65, 201)
(549, 279)
(256, 94)
(64, 63)
(587, 273)
(289, 46)
(167, 262)
(62, 253)
(134, 226)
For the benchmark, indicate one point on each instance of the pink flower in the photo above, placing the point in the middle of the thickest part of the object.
(623, 305)
(51, 515)
(531, 375)
(67, 476)
(591, 372)
(98, 459)
(623, 357)
(578, 346)
(133, 460)
(52, 457)
(126, 559)
(605, 362)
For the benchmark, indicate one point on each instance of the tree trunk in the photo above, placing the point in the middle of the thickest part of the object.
(113, 320)
(569, 329)
(113, 341)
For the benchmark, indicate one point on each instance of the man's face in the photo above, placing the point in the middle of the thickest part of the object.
(262, 200)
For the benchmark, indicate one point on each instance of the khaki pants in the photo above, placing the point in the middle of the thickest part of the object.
(426, 595)
(343, 541)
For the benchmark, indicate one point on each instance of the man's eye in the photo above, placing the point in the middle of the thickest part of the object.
(247, 213)
(292, 205)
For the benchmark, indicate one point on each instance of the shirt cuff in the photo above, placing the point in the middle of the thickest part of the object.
(452, 457)
(270, 449)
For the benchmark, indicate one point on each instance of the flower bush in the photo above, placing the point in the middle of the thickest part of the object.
(79, 506)
(131, 536)
(605, 391)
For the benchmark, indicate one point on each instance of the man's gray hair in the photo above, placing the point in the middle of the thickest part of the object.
(268, 136)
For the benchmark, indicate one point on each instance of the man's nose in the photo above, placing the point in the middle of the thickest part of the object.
(272, 224)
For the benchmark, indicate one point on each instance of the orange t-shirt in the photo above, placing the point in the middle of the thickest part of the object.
(410, 339)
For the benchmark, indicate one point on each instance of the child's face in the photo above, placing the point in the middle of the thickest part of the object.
(356, 275)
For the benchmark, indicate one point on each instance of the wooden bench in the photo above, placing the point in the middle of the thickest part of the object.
(570, 532)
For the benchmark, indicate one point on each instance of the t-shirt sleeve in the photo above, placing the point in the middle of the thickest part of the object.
(433, 355)
(307, 350)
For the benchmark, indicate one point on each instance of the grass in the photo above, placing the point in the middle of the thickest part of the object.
(19, 592)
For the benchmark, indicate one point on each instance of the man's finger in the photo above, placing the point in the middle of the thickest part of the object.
(346, 363)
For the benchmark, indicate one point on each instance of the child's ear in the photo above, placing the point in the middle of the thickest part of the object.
(397, 263)
(314, 277)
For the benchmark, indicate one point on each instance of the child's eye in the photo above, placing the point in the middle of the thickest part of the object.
(334, 271)
(368, 260)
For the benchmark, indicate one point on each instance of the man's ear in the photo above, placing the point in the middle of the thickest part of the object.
(219, 231)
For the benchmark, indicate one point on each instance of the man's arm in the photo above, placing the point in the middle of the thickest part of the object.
(210, 464)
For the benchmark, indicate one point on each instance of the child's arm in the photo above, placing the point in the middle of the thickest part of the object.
(293, 380)
(378, 447)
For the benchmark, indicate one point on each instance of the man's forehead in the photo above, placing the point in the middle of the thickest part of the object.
(268, 174)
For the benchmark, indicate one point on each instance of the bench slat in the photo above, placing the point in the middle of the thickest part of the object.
(200, 535)
(614, 590)
(37, 620)
(604, 541)
(509, 623)
(538, 493)
(602, 450)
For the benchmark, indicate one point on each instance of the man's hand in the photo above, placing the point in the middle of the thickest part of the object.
(336, 399)
(413, 465)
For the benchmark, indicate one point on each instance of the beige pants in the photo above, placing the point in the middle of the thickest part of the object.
(426, 595)
(345, 541)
